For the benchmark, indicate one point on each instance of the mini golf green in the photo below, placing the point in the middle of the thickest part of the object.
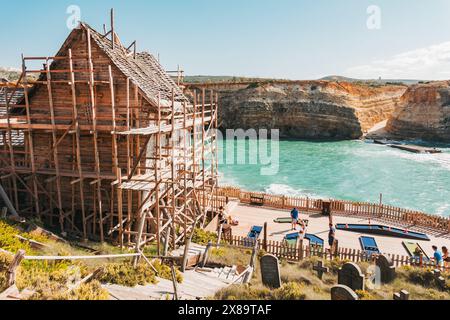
(283, 220)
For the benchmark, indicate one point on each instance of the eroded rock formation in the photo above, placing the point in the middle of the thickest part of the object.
(309, 109)
(423, 113)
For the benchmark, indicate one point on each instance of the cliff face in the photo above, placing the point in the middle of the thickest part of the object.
(309, 109)
(423, 113)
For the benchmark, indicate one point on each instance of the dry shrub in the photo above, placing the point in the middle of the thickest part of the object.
(230, 256)
(126, 275)
(422, 277)
(90, 291)
(289, 291)
(87, 291)
(165, 272)
(202, 237)
(5, 261)
(243, 292)
(365, 295)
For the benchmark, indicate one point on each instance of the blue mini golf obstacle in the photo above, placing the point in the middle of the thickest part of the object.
(292, 239)
(255, 232)
(253, 236)
(314, 240)
(383, 231)
(369, 245)
(291, 243)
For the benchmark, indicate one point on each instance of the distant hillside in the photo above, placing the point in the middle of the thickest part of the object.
(205, 79)
(10, 74)
(382, 81)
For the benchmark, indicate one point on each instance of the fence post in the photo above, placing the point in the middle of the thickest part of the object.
(300, 251)
(307, 204)
(174, 281)
(205, 254)
(185, 255)
(265, 237)
(336, 248)
(13, 267)
(249, 274)
(219, 236)
(4, 213)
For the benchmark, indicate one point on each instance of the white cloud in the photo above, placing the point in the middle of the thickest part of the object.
(430, 63)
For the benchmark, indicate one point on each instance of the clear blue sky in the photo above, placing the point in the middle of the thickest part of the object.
(297, 39)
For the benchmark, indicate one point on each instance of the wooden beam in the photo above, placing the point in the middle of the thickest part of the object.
(95, 135)
(78, 144)
(55, 149)
(113, 34)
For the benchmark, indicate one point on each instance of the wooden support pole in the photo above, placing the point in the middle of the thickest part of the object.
(8, 203)
(77, 144)
(55, 149)
(205, 254)
(185, 254)
(174, 281)
(95, 136)
(265, 237)
(13, 267)
(113, 34)
(29, 132)
(11, 152)
(173, 162)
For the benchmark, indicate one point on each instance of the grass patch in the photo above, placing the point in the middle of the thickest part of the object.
(300, 282)
(51, 280)
(230, 256)
(202, 237)
(125, 275)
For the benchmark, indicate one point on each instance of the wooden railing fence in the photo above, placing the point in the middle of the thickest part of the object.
(387, 213)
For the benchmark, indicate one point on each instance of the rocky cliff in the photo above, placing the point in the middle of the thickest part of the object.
(423, 113)
(308, 109)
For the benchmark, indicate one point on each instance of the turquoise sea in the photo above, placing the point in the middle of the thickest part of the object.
(348, 170)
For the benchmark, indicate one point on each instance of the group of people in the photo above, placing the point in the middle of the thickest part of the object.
(441, 258)
(296, 221)
(226, 220)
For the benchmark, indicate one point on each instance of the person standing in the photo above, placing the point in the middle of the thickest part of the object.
(331, 236)
(437, 257)
(445, 257)
(294, 216)
(302, 231)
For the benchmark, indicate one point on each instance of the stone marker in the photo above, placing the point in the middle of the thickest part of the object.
(387, 269)
(320, 269)
(350, 275)
(270, 271)
(343, 293)
(402, 295)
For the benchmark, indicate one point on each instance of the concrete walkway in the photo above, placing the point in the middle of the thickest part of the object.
(249, 216)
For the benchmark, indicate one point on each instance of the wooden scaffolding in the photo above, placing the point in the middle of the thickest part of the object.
(105, 146)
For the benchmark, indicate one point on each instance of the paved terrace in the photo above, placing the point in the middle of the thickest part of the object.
(249, 216)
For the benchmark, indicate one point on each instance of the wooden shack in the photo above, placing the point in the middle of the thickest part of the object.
(112, 148)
